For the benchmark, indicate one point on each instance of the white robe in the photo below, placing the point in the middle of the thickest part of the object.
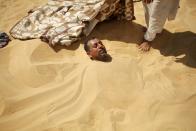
(156, 14)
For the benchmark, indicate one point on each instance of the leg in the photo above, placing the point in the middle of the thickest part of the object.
(146, 13)
(158, 15)
(145, 45)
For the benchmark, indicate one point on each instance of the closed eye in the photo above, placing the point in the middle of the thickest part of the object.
(100, 43)
(95, 45)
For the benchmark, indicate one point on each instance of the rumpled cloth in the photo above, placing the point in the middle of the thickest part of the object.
(64, 21)
(4, 39)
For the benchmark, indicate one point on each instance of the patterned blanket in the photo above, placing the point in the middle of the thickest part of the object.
(64, 21)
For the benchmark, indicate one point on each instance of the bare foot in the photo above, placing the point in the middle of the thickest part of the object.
(144, 46)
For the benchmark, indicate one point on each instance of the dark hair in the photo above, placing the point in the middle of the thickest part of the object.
(86, 47)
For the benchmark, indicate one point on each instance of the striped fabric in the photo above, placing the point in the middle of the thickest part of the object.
(63, 21)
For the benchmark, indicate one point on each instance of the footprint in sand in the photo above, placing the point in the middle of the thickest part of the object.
(172, 127)
(2, 105)
(118, 115)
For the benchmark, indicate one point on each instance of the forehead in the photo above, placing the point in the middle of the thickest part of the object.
(93, 41)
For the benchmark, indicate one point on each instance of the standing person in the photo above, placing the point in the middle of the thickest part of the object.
(156, 14)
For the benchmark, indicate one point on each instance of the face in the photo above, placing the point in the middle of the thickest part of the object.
(97, 49)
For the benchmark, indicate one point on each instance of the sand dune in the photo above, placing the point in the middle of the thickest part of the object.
(61, 89)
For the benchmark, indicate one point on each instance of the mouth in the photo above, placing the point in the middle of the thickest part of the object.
(102, 54)
(102, 51)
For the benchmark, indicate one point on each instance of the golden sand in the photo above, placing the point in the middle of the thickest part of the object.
(42, 89)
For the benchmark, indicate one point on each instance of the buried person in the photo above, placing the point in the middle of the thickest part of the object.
(96, 50)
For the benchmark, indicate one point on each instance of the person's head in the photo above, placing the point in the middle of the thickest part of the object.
(95, 49)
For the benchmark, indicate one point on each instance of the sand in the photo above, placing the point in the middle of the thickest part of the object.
(61, 89)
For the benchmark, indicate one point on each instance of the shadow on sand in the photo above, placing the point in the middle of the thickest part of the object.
(177, 44)
(181, 44)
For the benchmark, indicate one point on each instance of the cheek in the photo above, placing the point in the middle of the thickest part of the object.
(94, 53)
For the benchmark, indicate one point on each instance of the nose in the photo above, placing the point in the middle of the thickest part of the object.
(100, 46)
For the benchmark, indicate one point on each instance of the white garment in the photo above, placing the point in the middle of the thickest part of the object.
(156, 14)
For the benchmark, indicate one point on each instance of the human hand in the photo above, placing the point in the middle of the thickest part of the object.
(147, 1)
